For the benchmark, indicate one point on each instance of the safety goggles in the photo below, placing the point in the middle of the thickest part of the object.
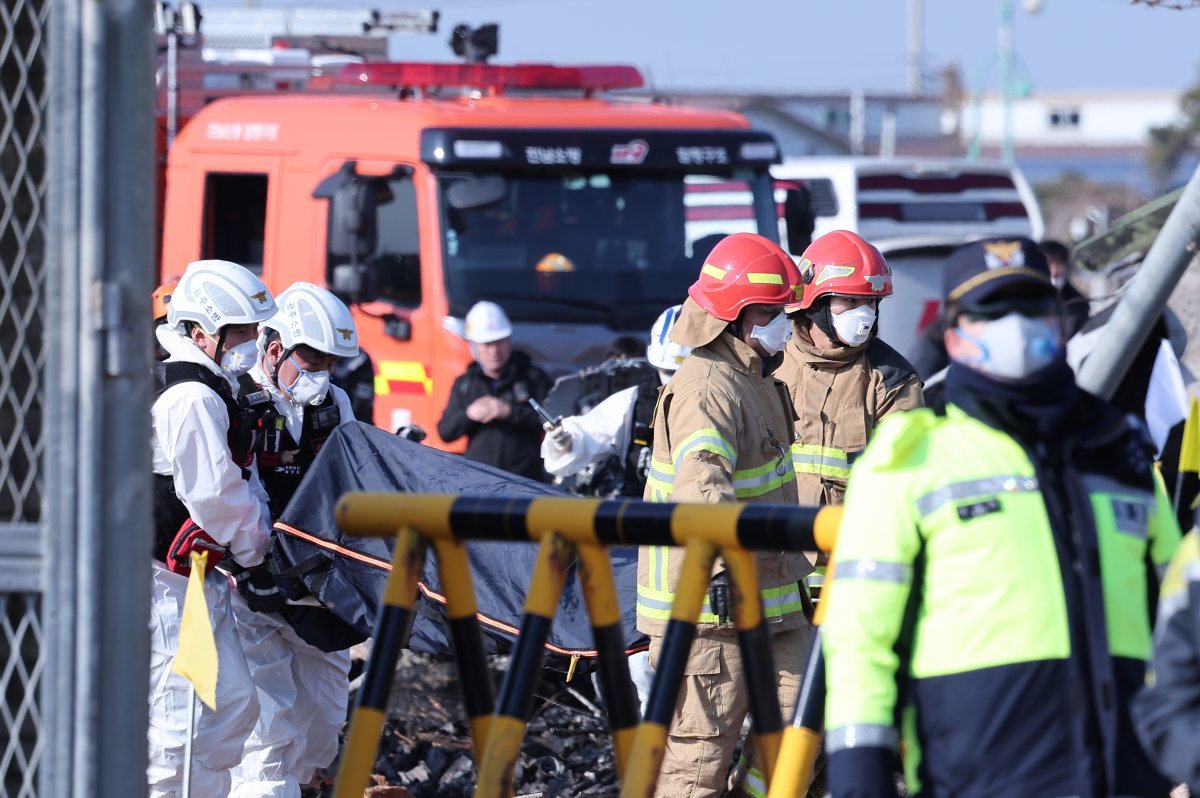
(1031, 306)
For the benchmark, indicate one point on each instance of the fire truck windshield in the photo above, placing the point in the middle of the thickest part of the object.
(610, 247)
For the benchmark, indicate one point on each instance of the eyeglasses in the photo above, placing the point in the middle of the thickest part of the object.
(1033, 307)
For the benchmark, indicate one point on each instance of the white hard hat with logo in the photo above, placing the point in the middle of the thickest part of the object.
(310, 315)
(217, 293)
(486, 322)
(663, 353)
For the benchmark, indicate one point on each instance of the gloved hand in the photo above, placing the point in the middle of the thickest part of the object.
(719, 600)
(258, 588)
(190, 536)
(559, 437)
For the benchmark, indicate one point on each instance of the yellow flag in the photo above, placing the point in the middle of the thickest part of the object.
(196, 660)
(1189, 452)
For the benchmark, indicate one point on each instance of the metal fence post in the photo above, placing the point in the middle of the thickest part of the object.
(97, 463)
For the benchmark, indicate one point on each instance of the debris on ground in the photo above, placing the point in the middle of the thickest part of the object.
(425, 748)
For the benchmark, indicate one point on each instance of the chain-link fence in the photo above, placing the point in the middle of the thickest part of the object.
(23, 181)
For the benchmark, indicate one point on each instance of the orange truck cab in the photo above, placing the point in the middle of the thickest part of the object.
(582, 216)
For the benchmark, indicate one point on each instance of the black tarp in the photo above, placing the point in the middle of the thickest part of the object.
(347, 575)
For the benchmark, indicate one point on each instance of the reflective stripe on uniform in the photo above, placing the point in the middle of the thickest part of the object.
(747, 482)
(934, 500)
(660, 479)
(705, 440)
(861, 735)
(874, 571)
(756, 785)
(764, 479)
(655, 602)
(825, 461)
(657, 558)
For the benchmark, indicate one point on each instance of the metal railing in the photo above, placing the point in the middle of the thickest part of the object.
(566, 530)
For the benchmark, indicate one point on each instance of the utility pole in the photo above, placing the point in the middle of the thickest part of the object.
(1007, 70)
(180, 26)
(1012, 84)
(916, 47)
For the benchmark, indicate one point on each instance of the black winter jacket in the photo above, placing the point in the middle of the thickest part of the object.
(512, 444)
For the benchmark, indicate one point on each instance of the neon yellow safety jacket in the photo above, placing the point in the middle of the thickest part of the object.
(991, 607)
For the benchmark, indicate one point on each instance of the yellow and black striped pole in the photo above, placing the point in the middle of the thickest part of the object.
(703, 529)
(616, 687)
(612, 522)
(515, 703)
(391, 632)
(649, 744)
(758, 661)
(455, 572)
(802, 739)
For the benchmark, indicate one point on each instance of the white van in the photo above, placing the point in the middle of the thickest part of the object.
(916, 211)
(910, 198)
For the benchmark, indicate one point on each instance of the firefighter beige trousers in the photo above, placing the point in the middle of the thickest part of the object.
(712, 705)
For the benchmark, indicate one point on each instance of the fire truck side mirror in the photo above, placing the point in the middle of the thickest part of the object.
(352, 232)
(353, 235)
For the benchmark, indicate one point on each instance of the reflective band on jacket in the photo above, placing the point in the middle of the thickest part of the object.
(747, 482)
(825, 461)
(654, 600)
(934, 500)
(705, 440)
(755, 785)
(861, 735)
(874, 571)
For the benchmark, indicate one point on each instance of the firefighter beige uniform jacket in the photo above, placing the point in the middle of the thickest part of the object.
(840, 395)
(722, 431)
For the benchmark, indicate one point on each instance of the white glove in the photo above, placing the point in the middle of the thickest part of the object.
(559, 436)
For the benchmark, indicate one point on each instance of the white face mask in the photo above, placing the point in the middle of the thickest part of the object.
(309, 387)
(853, 327)
(1014, 346)
(1059, 281)
(774, 335)
(239, 359)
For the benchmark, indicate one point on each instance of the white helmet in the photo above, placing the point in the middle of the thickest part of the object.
(310, 315)
(217, 293)
(663, 353)
(486, 322)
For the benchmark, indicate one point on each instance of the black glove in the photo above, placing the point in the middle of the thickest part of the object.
(258, 588)
(718, 599)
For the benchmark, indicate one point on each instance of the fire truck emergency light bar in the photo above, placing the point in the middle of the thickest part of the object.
(489, 76)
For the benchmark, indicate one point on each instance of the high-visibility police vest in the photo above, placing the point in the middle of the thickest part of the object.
(992, 605)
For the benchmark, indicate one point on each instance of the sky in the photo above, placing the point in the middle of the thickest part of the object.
(812, 46)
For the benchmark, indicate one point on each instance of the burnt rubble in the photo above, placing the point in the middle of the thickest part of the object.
(425, 749)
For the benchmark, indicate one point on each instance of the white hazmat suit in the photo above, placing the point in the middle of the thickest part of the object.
(303, 691)
(190, 443)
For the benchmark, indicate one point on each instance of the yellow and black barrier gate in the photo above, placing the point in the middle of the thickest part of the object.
(570, 529)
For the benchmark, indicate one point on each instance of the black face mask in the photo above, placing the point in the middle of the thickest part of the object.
(822, 318)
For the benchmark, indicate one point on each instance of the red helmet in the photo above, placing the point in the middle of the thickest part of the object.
(745, 269)
(842, 263)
